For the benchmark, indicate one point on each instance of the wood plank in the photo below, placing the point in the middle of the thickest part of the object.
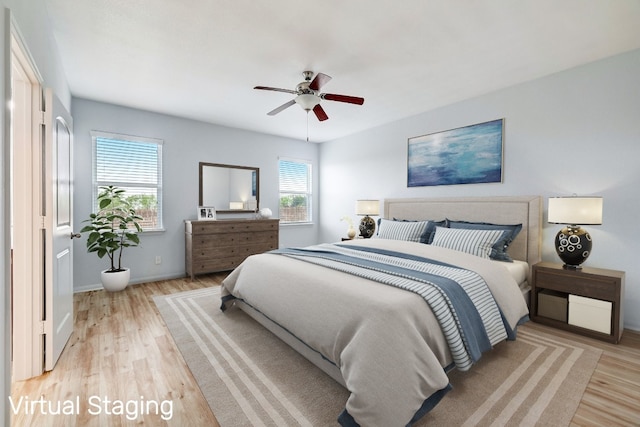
(121, 348)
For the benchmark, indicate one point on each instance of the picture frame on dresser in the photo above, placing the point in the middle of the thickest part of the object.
(206, 213)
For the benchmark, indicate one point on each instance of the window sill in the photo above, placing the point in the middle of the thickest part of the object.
(295, 224)
(154, 231)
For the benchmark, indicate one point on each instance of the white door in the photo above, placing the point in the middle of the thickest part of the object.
(58, 179)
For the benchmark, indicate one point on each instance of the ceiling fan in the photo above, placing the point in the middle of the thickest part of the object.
(308, 95)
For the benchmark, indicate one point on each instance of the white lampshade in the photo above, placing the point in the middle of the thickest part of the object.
(307, 101)
(575, 210)
(368, 207)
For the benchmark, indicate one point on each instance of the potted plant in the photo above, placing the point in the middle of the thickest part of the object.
(114, 227)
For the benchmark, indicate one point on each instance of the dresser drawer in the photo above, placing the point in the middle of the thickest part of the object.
(206, 242)
(213, 265)
(230, 251)
(224, 227)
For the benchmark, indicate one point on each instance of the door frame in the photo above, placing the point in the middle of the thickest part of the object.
(27, 299)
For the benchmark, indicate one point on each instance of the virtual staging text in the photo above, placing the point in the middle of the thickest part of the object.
(95, 405)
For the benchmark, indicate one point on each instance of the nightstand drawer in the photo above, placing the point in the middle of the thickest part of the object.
(599, 288)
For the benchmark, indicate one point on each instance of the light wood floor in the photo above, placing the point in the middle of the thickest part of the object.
(120, 349)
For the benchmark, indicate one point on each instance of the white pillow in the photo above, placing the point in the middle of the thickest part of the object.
(411, 231)
(471, 241)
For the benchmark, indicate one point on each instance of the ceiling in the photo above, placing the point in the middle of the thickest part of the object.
(200, 59)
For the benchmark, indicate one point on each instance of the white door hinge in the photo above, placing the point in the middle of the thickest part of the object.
(43, 327)
(42, 222)
(42, 118)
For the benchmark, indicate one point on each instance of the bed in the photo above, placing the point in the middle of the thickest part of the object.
(357, 309)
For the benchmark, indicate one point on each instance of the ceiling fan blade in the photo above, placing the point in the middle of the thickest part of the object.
(282, 107)
(276, 89)
(320, 114)
(342, 98)
(319, 80)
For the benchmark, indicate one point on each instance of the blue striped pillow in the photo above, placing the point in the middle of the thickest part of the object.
(509, 232)
(411, 231)
(475, 242)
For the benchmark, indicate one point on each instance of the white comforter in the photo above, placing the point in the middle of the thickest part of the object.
(385, 341)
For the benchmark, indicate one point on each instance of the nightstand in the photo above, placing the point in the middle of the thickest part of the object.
(589, 293)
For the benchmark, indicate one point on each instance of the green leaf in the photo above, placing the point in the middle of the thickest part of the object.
(93, 237)
(104, 203)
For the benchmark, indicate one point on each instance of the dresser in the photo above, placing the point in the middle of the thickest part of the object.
(221, 245)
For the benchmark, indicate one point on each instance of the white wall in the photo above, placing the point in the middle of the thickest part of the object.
(186, 143)
(577, 131)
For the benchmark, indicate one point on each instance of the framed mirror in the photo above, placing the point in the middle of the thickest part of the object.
(229, 188)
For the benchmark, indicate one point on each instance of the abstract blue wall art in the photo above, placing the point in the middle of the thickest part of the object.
(466, 155)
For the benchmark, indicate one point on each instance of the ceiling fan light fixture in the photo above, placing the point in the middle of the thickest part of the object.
(307, 101)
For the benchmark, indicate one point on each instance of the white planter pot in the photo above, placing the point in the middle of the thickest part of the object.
(115, 281)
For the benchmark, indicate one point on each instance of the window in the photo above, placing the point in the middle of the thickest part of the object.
(295, 191)
(135, 165)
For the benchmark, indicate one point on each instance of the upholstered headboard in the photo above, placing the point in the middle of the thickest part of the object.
(525, 210)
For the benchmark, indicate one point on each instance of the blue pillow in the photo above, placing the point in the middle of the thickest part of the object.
(430, 232)
(499, 249)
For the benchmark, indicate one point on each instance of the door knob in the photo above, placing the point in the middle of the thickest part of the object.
(75, 235)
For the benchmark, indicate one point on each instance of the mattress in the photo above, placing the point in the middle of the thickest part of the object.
(519, 270)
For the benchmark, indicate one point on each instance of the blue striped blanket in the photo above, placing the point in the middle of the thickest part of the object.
(460, 299)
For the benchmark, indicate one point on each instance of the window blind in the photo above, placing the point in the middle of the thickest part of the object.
(125, 162)
(294, 177)
(295, 191)
(135, 165)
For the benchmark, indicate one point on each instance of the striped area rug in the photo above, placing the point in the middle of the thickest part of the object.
(251, 378)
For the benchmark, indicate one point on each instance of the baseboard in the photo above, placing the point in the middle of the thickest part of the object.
(98, 286)
(87, 288)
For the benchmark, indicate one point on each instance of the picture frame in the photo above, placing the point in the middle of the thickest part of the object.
(206, 213)
(467, 155)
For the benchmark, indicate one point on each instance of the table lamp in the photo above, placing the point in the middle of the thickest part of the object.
(573, 243)
(366, 208)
